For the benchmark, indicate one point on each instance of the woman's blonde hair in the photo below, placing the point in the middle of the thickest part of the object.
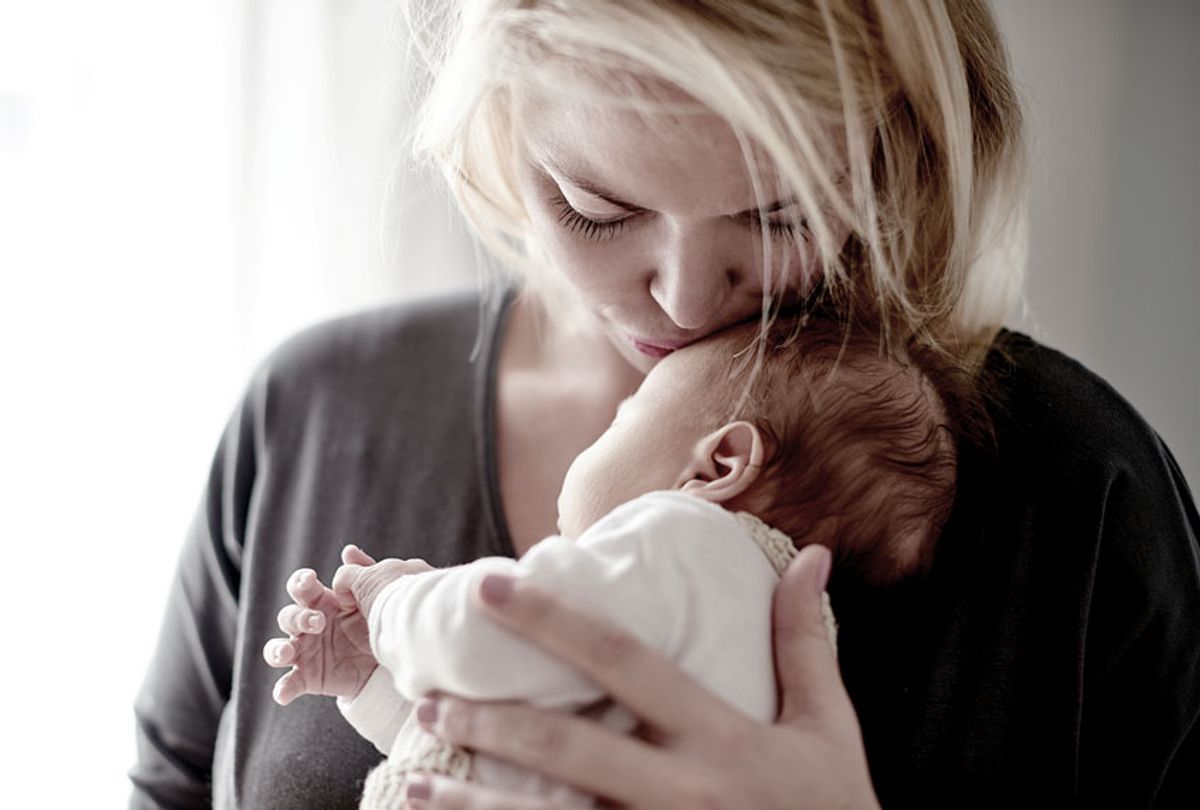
(896, 117)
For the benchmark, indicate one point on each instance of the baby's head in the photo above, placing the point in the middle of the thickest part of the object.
(825, 439)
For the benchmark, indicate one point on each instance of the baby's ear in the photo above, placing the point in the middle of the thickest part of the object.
(724, 463)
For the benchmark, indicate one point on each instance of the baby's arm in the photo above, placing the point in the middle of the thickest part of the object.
(327, 648)
(378, 711)
(643, 568)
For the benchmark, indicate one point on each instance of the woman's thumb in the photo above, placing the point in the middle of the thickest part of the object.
(806, 666)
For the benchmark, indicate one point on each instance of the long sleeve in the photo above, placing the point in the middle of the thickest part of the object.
(662, 567)
(1142, 637)
(179, 707)
(378, 711)
(333, 443)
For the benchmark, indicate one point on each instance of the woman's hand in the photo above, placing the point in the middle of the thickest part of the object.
(694, 750)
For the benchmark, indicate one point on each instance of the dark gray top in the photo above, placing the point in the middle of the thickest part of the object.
(1050, 658)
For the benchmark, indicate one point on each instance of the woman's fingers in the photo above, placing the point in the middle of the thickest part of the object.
(438, 793)
(296, 620)
(563, 746)
(646, 682)
(806, 666)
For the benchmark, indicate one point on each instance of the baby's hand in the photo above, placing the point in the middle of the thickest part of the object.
(327, 648)
(358, 585)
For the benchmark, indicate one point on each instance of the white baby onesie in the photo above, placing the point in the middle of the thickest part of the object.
(683, 575)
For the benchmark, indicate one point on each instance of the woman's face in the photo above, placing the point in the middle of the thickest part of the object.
(658, 228)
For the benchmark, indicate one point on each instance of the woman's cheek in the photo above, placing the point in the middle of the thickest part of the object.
(597, 268)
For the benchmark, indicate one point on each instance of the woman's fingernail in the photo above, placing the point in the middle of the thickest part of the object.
(418, 790)
(496, 588)
(823, 568)
(427, 711)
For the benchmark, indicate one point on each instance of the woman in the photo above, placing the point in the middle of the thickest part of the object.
(656, 171)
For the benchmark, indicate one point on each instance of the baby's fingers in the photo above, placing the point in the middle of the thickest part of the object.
(353, 555)
(289, 687)
(279, 652)
(295, 620)
(304, 587)
(344, 580)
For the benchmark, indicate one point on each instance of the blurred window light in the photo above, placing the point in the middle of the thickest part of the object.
(119, 348)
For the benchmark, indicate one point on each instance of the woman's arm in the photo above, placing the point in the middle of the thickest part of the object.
(695, 750)
(1141, 673)
(187, 685)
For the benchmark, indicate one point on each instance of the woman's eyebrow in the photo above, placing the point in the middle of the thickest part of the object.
(596, 190)
(778, 205)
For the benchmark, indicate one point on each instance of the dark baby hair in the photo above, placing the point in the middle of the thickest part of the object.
(860, 450)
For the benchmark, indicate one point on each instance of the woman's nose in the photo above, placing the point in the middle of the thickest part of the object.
(693, 281)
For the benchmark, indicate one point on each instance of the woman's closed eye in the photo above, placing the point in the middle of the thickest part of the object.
(583, 225)
(780, 227)
(578, 223)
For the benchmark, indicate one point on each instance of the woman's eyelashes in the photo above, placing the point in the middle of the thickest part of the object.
(585, 226)
(792, 226)
(788, 227)
(579, 224)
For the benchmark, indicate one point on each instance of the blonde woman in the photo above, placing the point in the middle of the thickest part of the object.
(651, 172)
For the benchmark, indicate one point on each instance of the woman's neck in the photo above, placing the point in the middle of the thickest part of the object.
(558, 386)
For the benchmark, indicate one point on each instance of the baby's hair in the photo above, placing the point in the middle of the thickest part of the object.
(860, 447)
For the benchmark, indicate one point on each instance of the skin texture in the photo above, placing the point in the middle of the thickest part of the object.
(693, 750)
(684, 262)
(661, 438)
(327, 649)
(657, 441)
(685, 259)
(681, 267)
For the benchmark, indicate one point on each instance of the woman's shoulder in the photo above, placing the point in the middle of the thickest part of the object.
(1075, 460)
(432, 341)
(413, 361)
(1051, 405)
(429, 331)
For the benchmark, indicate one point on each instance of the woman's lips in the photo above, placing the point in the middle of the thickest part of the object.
(657, 349)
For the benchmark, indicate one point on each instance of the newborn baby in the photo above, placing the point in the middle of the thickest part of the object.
(676, 524)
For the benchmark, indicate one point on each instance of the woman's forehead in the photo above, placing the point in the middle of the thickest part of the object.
(689, 163)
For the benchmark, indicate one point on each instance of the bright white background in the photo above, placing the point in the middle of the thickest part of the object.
(182, 185)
